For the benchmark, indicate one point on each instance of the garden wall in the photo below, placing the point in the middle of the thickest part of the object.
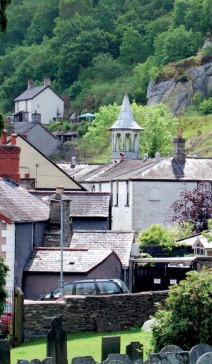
(81, 313)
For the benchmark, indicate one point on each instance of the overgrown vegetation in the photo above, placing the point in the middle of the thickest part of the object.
(95, 50)
(186, 318)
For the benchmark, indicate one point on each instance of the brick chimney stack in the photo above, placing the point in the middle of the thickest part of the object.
(9, 158)
(179, 147)
(47, 81)
(30, 84)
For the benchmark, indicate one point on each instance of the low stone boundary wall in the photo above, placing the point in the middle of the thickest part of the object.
(81, 313)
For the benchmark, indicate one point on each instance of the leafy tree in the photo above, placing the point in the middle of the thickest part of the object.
(176, 44)
(131, 49)
(186, 318)
(159, 127)
(1, 123)
(156, 235)
(195, 207)
(3, 16)
(3, 293)
(206, 106)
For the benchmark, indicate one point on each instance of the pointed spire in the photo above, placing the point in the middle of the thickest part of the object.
(126, 118)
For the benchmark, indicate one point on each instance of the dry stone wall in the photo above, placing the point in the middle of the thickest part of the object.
(81, 313)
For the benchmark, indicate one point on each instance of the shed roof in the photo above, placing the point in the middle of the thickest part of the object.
(119, 241)
(90, 204)
(74, 261)
(18, 205)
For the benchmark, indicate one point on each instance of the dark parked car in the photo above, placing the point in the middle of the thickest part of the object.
(6, 319)
(87, 287)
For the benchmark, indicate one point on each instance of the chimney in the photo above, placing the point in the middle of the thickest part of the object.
(179, 147)
(4, 137)
(9, 158)
(30, 84)
(157, 156)
(146, 157)
(73, 162)
(121, 157)
(47, 81)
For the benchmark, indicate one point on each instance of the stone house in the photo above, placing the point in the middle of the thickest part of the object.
(38, 103)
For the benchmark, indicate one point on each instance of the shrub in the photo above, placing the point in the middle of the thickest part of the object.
(186, 318)
(206, 106)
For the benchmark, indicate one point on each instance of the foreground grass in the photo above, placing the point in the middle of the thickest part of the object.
(82, 344)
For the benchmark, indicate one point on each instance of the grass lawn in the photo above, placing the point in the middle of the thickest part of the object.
(82, 344)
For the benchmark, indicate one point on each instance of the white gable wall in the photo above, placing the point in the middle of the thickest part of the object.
(8, 251)
(47, 103)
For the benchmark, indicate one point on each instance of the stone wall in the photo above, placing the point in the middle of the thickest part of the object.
(81, 313)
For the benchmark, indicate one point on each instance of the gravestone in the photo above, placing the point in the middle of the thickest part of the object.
(169, 358)
(135, 351)
(4, 351)
(197, 351)
(171, 349)
(107, 324)
(205, 359)
(83, 360)
(117, 359)
(36, 361)
(57, 341)
(110, 345)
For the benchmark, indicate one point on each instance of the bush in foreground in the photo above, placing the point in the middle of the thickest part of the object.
(186, 318)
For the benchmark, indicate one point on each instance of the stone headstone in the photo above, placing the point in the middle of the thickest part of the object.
(169, 358)
(4, 351)
(197, 351)
(110, 345)
(118, 359)
(35, 361)
(205, 359)
(171, 349)
(83, 360)
(48, 361)
(107, 324)
(57, 342)
(135, 351)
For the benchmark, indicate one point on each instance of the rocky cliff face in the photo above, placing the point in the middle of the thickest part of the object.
(179, 95)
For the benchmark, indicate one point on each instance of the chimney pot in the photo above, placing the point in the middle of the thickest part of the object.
(4, 137)
(13, 139)
(59, 190)
(121, 157)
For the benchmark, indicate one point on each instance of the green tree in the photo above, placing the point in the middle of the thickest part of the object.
(3, 293)
(159, 128)
(1, 123)
(186, 318)
(176, 44)
(3, 16)
(156, 235)
(132, 47)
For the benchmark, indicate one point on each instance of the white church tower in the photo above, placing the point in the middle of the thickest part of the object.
(125, 134)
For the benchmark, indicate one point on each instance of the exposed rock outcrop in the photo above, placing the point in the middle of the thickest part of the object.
(178, 93)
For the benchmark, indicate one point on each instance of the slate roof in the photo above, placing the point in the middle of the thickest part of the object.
(33, 92)
(18, 205)
(194, 169)
(74, 261)
(25, 126)
(90, 204)
(119, 241)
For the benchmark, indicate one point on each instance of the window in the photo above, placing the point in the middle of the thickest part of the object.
(154, 194)
(85, 288)
(127, 193)
(108, 288)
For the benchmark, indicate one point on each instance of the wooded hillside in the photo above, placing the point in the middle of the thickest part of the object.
(94, 50)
